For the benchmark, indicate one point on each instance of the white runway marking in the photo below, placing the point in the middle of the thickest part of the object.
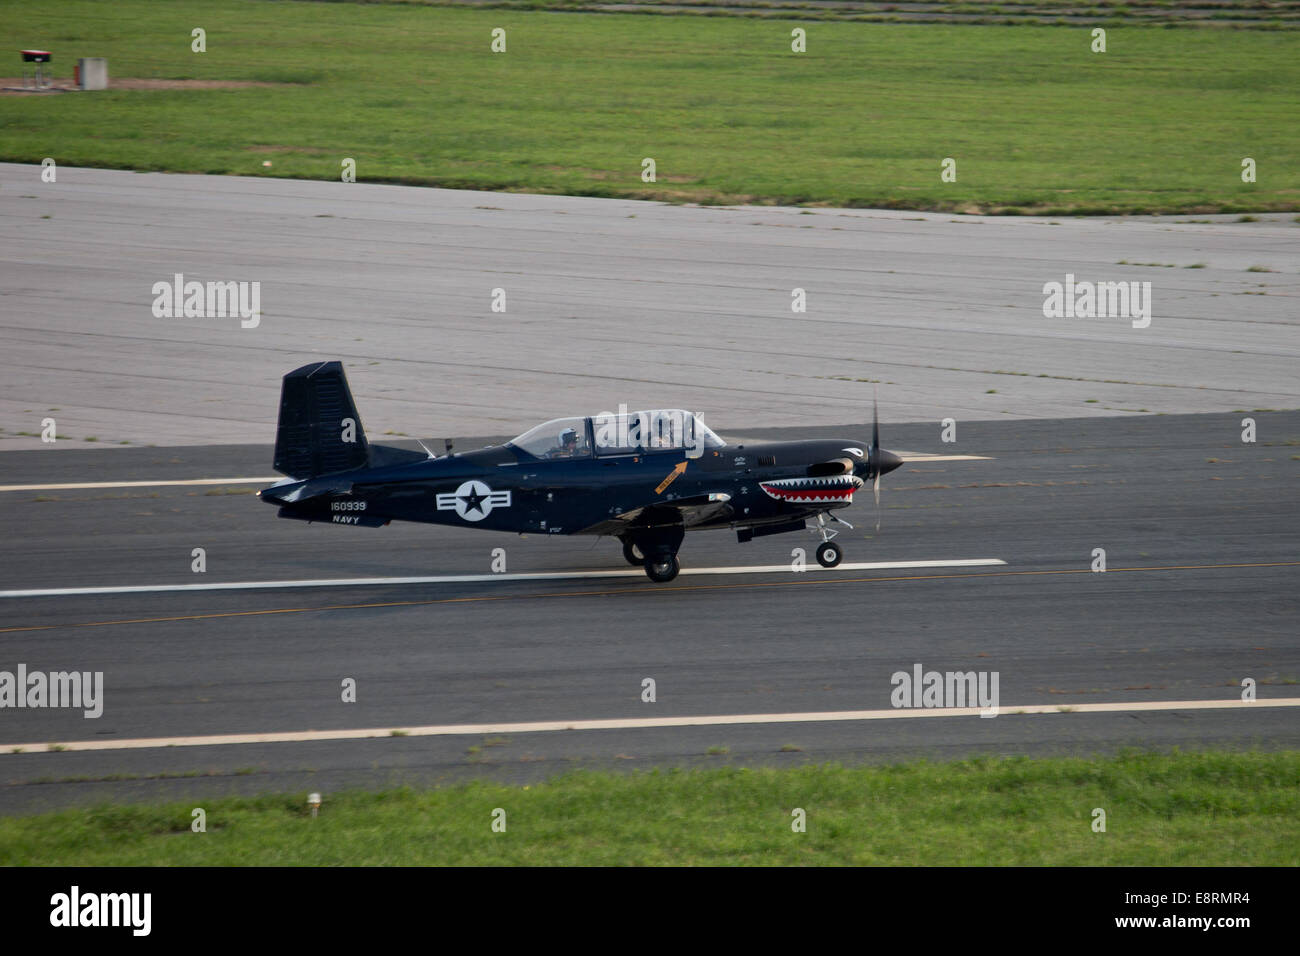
(813, 567)
(910, 457)
(549, 726)
(76, 486)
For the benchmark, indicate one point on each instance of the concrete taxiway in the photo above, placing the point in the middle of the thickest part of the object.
(607, 302)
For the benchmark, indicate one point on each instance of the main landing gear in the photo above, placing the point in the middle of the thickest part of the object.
(661, 570)
(829, 555)
(655, 549)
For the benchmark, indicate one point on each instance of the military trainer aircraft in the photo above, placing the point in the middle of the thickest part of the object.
(642, 477)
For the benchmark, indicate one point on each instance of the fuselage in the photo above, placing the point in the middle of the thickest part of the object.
(503, 488)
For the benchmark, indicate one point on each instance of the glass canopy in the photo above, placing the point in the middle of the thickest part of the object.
(623, 433)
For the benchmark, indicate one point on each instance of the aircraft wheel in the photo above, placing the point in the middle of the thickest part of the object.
(829, 555)
(632, 554)
(661, 570)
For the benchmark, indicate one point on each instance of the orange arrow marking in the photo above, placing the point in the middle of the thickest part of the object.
(678, 469)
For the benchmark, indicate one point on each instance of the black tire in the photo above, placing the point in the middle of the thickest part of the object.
(632, 554)
(829, 555)
(661, 569)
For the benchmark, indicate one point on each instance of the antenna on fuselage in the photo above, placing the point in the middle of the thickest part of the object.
(447, 442)
(426, 448)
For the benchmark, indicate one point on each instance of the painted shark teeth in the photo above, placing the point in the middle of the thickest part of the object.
(837, 489)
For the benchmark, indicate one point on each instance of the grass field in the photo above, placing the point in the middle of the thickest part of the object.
(1211, 809)
(1237, 14)
(1034, 120)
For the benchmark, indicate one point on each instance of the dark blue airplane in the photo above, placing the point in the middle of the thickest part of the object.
(642, 477)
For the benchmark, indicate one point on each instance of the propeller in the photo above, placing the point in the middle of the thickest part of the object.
(878, 462)
(873, 454)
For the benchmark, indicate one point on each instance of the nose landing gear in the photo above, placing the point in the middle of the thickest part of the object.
(829, 555)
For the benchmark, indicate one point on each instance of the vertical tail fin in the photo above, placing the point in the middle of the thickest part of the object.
(319, 432)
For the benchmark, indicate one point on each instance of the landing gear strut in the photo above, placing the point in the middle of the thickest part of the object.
(829, 555)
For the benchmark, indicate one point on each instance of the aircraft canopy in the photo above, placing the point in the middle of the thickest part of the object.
(618, 434)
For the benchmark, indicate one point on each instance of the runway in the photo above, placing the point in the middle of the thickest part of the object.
(1199, 531)
(607, 302)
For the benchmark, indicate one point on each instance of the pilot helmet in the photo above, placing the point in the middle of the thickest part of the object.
(569, 435)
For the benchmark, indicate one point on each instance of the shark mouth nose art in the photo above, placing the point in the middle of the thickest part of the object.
(836, 490)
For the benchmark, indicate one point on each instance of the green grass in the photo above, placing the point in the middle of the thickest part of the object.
(1242, 14)
(1035, 121)
(1177, 809)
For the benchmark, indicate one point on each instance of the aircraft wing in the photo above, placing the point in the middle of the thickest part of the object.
(691, 512)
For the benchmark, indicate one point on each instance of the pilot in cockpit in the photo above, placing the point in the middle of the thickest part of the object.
(568, 446)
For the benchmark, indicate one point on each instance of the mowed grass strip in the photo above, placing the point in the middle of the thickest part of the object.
(1220, 809)
(1035, 121)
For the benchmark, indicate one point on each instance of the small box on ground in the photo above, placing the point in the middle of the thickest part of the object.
(93, 72)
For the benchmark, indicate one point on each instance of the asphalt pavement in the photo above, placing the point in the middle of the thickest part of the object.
(1199, 531)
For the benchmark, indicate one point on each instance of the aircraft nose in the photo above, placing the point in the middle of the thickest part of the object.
(888, 461)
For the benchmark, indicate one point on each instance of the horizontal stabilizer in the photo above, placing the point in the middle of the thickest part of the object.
(291, 492)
